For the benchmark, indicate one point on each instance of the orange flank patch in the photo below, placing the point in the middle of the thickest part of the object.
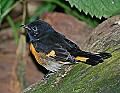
(83, 59)
(52, 54)
(36, 55)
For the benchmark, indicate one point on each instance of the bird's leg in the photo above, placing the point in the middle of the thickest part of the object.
(47, 75)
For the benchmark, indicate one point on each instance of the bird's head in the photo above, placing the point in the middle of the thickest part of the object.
(37, 28)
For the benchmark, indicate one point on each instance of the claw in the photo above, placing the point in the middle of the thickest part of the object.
(46, 77)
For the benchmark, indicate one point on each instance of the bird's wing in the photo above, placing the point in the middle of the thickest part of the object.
(55, 51)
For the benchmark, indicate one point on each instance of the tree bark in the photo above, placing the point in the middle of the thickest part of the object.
(83, 78)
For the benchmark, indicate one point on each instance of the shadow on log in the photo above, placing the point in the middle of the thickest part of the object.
(82, 78)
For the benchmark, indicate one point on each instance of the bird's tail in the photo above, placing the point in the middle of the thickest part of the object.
(93, 59)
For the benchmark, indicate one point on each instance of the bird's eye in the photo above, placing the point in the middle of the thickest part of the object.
(34, 28)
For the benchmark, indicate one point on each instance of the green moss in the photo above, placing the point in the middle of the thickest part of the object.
(103, 78)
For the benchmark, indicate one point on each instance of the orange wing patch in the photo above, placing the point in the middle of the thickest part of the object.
(83, 59)
(36, 55)
(52, 54)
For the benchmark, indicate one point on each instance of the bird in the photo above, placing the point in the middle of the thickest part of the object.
(52, 49)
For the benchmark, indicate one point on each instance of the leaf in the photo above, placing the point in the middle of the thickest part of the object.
(6, 4)
(67, 9)
(6, 10)
(98, 8)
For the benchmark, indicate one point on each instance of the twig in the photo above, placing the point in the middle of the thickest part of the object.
(21, 52)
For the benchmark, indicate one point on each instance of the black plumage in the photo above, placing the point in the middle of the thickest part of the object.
(45, 39)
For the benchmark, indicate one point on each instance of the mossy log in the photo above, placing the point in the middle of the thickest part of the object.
(83, 78)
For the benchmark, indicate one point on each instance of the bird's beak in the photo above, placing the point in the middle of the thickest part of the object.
(25, 26)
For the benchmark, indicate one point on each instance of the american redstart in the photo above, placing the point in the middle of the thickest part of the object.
(52, 49)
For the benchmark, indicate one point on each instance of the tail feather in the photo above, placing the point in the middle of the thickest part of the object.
(105, 55)
(95, 59)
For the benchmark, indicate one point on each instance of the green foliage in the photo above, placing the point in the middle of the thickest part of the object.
(99, 8)
(5, 6)
(80, 15)
(0, 10)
